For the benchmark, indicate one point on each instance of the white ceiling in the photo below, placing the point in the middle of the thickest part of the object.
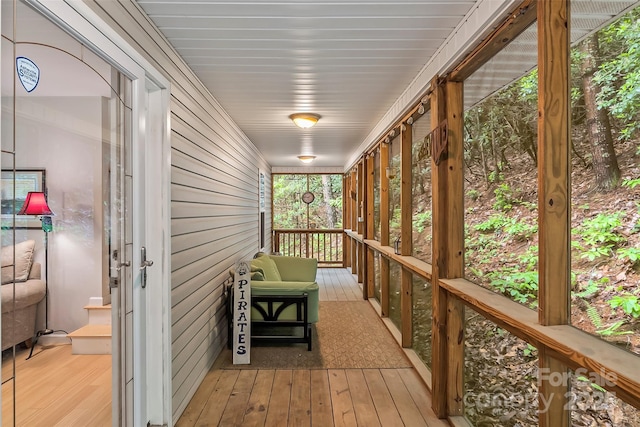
(349, 61)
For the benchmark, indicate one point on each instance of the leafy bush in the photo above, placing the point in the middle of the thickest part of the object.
(631, 183)
(505, 198)
(599, 234)
(421, 221)
(473, 194)
(631, 254)
(521, 286)
(629, 304)
(512, 226)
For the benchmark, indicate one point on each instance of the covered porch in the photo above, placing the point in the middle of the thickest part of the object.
(339, 385)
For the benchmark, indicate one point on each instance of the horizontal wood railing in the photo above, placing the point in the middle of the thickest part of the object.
(325, 245)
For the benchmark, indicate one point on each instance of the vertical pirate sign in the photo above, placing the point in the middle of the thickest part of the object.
(242, 314)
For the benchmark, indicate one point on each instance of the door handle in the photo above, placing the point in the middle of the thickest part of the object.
(123, 264)
(144, 263)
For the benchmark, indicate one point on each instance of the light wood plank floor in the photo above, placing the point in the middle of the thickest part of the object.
(316, 397)
(338, 284)
(57, 388)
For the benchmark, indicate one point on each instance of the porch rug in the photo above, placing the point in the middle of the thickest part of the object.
(349, 334)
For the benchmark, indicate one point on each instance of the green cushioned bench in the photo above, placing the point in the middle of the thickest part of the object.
(284, 294)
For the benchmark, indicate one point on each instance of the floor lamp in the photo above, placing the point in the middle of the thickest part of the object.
(36, 204)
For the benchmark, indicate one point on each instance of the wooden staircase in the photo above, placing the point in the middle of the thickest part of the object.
(95, 337)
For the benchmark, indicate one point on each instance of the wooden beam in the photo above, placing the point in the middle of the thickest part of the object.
(384, 195)
(439, 202)
(455, 352)
(385, 269)
(406, 214)
(362, 197)
(346, 219)
(565, 343)
(412, 264)
(369, 208)
(454, 246)
(554, 195)
(406, 307)
(369, 275)
(354, 199)
(554, 156)
(518, 21)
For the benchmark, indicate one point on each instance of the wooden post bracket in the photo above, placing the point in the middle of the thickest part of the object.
(437, 142)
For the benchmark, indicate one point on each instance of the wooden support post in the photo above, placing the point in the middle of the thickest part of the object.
(455, 243)
(448, 250)
(406, 239)
(362, 197)
(384, 195)
(406, 307)
(369, 229)
(455, 350)
(346, 214)
(361, 258)
(554, 195)
(354, 200)
(385, 269)
(406, 235)
(439, 363)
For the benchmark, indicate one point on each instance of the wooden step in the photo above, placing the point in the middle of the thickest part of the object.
(91, 339)
(99, 314)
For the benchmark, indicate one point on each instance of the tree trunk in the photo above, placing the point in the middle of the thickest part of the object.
(327, 192)
(605, 162)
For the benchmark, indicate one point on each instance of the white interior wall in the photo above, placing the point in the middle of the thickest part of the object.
(63, 136)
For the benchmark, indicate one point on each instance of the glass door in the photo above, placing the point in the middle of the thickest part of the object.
(66, 133)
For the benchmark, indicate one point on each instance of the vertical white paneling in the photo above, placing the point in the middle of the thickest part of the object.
(214, 189)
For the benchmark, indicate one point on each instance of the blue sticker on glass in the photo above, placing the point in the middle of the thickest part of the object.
(28, 73)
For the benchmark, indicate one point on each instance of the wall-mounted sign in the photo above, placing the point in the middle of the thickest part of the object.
(242, 314)
(28, 73)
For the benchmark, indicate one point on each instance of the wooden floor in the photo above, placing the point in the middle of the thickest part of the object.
(316, 397)
(57, 388)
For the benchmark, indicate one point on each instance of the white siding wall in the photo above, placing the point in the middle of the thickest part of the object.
(214, 203)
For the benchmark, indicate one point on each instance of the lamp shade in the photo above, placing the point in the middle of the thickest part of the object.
(305, 120)
(35, 204)
(306, 159)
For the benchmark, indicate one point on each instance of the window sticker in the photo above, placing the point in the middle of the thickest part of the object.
(28, 73)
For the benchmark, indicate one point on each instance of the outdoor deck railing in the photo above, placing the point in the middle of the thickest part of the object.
(325, 245)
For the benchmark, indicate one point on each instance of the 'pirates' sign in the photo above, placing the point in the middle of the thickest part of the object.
(242, 314)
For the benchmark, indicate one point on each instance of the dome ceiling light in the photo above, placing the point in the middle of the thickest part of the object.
(306, 159)
(305, 120)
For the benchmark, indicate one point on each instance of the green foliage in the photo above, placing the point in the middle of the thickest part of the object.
(505, 198)
(473, 194)
(594, 316)
(592, 287)
(421, 221)
(619, 74)
(629, 304)
(594, 385)
(290, 212)
(600, 235)
(512, 226)
(496, 176)
(521, 286)
(612, 330)
(631, 254)
(631, 183)
(529, 259)
(530, 351)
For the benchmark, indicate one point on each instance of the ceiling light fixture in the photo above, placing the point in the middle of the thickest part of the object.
(306, 159)
(305, 120)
